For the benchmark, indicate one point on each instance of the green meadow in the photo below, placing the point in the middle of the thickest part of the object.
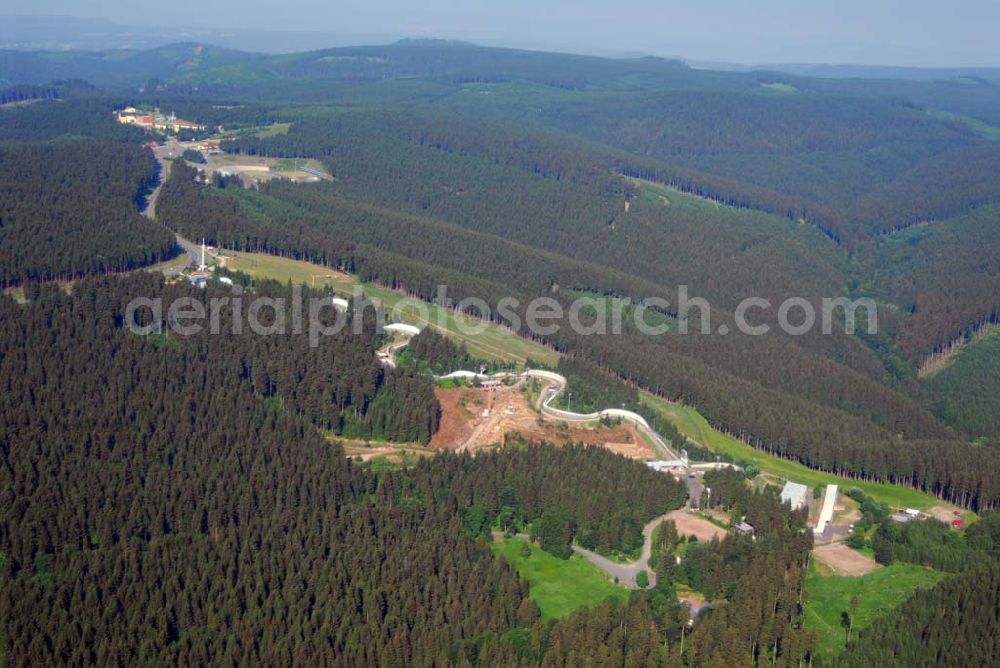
(558, 586)
(878, 592)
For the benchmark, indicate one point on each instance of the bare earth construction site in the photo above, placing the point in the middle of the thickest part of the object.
(476, 418)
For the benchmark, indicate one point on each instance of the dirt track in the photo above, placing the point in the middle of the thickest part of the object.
(842, 560)
(691, 525)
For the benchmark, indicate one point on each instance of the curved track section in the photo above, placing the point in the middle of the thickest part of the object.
(625, 573)
(557, 384)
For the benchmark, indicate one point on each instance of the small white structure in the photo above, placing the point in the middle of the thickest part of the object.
(912, 512)
(402, 328)
(662, 465)
(340, 304)
(794, 494)
(225, 280)
(463, 374)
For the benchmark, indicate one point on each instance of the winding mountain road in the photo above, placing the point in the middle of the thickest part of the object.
(191, 248)
(626, 573)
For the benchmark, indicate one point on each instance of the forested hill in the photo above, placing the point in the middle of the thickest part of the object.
(490, 217)
(72, 209)
(860, 160)
(898, 151)
(53, 90)
(183, 499)
(955, 623)
(164, 499)
(213, 68)
(862, 167)
(170, 498)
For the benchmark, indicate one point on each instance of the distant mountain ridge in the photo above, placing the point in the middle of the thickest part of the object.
(985, 75)
(172, 60)
(69, 33)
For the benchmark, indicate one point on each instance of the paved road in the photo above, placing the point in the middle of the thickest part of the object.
(389, 350)
(625, 572)
(150, 209)
(192, 249)
(695, 488)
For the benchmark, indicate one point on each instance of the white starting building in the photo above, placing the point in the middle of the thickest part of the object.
(826, 512)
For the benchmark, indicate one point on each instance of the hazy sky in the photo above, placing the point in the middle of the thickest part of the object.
(897, 32)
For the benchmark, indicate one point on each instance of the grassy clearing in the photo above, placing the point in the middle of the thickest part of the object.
(665, 195)
(390, 463)
(17, 293)
(558, 586)
(693, 425)
(878, 593)
(483, 340)
(282, 269)
(175, 264)
(964, 391)
(779, 87)
(274, 130)
(261, 168)
(360, 446)
(295, 165)
(981, 128)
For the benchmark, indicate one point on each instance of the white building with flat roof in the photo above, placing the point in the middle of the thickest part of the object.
(826, 512)
(794, 494)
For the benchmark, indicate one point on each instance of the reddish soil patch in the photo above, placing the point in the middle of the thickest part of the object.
(842, 560)
(632, 450)
(472, 418)
(692, 525)
(458, 408)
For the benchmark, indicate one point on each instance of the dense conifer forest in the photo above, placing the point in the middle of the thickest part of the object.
(53, 90)
(186, 499)
(439, 355)
(65, 119)
(202, 457)
(70, 209)
(743, 571)
(821, 400)
(953, 624)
